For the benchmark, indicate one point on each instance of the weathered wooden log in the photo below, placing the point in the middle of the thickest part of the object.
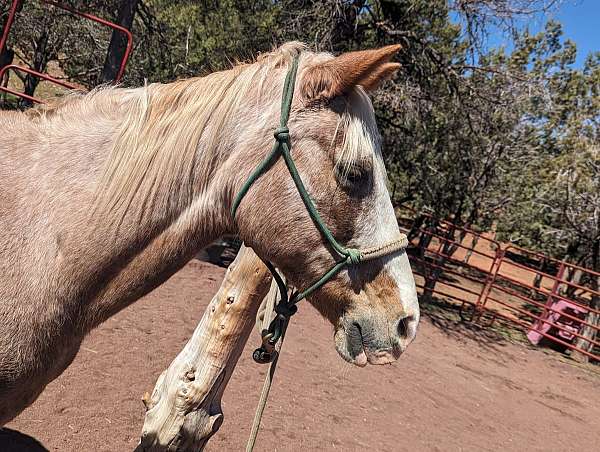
(184, 410)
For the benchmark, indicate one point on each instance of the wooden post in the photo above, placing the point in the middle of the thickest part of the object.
(184, 410)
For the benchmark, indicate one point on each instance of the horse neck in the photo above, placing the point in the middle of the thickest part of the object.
(222, 124)
(116, 258)
(139, 261)
(171, 194)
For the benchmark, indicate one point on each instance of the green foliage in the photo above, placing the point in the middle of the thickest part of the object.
(190, 38)
(551, 183)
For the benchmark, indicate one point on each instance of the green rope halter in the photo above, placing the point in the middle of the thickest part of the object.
(286, 307)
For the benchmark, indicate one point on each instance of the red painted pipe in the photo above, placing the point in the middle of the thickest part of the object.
(8, 25)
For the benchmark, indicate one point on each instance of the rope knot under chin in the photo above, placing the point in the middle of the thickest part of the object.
(282, 134)
(354, 256)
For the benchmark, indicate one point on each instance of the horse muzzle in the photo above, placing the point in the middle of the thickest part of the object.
(374, 339)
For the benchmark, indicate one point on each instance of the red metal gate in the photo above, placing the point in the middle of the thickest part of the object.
(487, 278)
(12, 14)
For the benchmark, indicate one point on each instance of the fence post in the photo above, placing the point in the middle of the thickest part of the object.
(555, 287)
(16, 4)
(489, 283)
(432, 274)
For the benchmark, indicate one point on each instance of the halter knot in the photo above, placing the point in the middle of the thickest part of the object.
(353, 256)
(286, 310)
(282, 134)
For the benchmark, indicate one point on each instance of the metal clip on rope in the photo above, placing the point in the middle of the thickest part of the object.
(284, 309)
(266, 352)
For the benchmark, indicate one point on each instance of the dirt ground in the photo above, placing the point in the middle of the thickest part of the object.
(453, 390)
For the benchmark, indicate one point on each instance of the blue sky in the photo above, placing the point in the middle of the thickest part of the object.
(581, 24)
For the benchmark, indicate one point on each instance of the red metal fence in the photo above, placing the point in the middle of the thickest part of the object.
(12, 15)
(548, 299)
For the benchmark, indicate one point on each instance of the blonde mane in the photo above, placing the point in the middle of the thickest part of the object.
(152, 165)
(158, 140)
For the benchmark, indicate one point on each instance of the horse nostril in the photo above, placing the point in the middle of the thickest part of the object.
(403, 326)
(354, 340)
(358, 330)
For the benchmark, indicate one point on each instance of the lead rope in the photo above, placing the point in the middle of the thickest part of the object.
(264, 394)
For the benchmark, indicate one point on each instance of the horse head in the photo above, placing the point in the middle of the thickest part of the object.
(335, 147)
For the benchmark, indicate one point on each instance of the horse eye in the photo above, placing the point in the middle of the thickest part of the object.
(356, 175)
(353, 176)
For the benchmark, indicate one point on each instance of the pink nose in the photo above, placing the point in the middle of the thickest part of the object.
(385, 356)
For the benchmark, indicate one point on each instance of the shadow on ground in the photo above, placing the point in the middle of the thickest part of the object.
(14, 441)
(447, 317)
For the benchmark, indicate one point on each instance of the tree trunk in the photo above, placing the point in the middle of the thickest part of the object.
(7, 55)
(446, 251)
(575, 277)
(451, 248)
(592, 318)
(588, 332)
(416, 227)
(469, 252)
(118, 42)
(184, 410)
(431, 273)
(6, 58)
(39, 63)
(431, 281)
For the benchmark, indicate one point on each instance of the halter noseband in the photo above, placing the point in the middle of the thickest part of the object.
(286, 306)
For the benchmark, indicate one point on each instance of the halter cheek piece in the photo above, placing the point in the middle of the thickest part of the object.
(286, 307)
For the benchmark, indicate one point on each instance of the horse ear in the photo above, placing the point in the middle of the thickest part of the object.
(338, 76)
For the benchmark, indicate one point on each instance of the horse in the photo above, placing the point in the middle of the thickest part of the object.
(105, 195)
